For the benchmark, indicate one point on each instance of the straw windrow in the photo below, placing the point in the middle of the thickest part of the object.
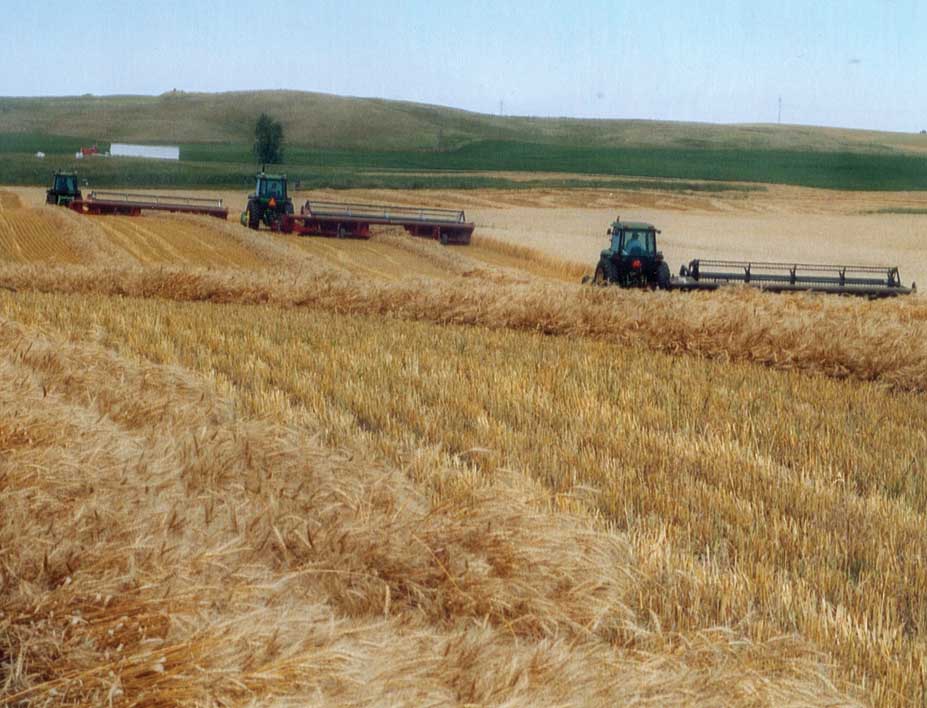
(885, 341)
(162, 549)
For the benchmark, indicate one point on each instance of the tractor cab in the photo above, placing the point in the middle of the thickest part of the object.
(632, 258)
(269, 204)
(271, 187)
(629, 241)
(64, 189)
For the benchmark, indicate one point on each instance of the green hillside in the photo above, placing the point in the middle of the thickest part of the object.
(325, 121)
(343, 137)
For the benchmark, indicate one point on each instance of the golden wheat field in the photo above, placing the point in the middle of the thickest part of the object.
(242, 468)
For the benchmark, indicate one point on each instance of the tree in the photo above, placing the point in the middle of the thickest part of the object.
(268, 140)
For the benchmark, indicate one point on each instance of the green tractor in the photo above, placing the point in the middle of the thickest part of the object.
(632, 259)
(269, 203)
(64, 189)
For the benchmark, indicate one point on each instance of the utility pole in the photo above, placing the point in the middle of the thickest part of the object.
(780, 110)
(501, 106)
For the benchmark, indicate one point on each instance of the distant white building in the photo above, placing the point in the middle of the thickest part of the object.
(155, 152)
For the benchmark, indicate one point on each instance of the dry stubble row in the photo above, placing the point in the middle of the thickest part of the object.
(164, 546)
(771, 501)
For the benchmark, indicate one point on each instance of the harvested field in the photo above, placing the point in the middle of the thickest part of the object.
(507, 254)
(188, 554)
(780, 223)
(394, 384)
(167, 240)
(813, 228)
(50, 234)
(245, 467)
(28, 236)
(390, 259)
(9, 200)
(888, 343)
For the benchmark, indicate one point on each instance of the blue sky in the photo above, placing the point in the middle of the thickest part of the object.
(854, 64)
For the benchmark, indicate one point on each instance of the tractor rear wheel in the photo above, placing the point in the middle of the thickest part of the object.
(663, 276)
(253, 216)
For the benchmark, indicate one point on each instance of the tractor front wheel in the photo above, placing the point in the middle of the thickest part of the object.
(601, 277)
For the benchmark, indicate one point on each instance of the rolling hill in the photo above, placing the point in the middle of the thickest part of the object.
(315, 120)
(348, 137)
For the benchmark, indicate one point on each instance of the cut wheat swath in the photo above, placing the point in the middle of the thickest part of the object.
(188, 555)
(884, 342)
